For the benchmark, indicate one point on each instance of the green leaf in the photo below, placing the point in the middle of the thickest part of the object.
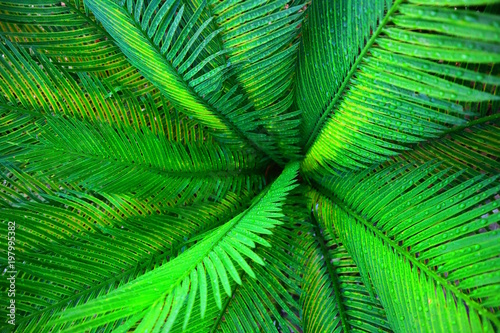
(105, 242)
(250, 166)
(334, 296)
(174, 277)
(418, 226)
(261, 39)
(107, 159)
(409, 81)
(193, 92)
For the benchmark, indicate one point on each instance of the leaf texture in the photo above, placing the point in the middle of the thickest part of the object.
(436, 223)
(414, 79)
(186, 275)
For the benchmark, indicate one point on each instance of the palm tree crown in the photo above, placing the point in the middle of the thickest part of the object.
(250, 165)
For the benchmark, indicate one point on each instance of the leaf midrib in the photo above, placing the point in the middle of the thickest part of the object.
(157, 170)
(320, 123)
(191, 91)
(333, 276)
(155, 257)
(423, 268)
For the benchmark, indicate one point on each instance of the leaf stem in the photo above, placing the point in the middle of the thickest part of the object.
(222, 311)
(217, 113)
(416, 263)
(333, 275)
(493, 118)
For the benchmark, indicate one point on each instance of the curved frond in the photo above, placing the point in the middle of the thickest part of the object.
(183, 278)
(421, 71)
(261, 37)
(433, 221)
(264, 303)
(474, 150)
(156, 42)
(268, 302)
(68, 34)
(334, 297)
(33, 86)
(103, 241)
(333, 34)
(107, 159)
(89, 49)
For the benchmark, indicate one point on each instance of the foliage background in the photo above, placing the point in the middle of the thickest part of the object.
(251, 166)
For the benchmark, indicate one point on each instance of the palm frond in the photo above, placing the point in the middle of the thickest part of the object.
(185, 277)
(334, 297)
(98, 239)
(90, 48)
(250, 166)
(474, 150)
(333, 34)
(269, 302)
(416, 76)
(160, 37)
(264, 303)
(68, 34)
(107, 159)
(261, 37)
(433, 222)
(47, 90)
